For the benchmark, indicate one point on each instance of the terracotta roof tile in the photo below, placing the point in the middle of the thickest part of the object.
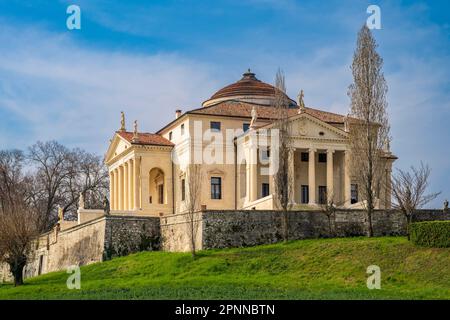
(242, 109)
(145, 138)
(249, 85)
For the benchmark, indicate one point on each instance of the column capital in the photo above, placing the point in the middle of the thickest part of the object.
(312, 150)
(330, 151)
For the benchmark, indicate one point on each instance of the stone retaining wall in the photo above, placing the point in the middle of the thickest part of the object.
(92, 241)
(114, 235)
(222, 229)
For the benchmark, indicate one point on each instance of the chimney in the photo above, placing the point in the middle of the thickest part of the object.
(177, 113)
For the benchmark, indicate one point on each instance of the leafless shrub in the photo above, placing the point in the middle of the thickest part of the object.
(408, 190)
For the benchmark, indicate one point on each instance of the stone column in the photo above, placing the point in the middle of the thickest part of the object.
(312, 176)
(253, 161)
(126, 187)
(137, 188)
(347, 180)
(330, 176)
(116, 189)
(291, 175)
(120, 191)
(111, 189)
(130, 185)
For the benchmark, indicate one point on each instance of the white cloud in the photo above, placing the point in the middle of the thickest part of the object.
(56, 90)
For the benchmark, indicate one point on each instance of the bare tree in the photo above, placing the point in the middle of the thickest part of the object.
(18, 220)
(87, 175)
(329, 210)
(369, 133)
(282, 177)
(408, 190)
(192, 198)
(61, 175)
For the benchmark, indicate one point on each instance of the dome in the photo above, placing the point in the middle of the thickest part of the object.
(248, 89)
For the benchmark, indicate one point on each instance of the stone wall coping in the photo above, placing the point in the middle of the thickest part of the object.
(314, 210)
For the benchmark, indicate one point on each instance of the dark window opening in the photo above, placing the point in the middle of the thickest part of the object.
(305, 156)
(245, 126)
(305, 194)
(170, 135)
(354, 193)
(322, 195)
(322, 157)
(216, 188)
(182, 129)
(265, 190)
(215, 126)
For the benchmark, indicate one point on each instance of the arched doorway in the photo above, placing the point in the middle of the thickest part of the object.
(157, 192)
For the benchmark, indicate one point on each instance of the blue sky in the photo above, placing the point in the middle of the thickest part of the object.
(149, 58)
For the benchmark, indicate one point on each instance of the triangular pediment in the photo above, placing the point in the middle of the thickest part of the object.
(305, 125)
(117, 146)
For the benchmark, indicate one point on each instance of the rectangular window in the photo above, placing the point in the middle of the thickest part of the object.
(265, 190)
(322, 195)
(265, 154)
(245, 127)
(216, 188)
(305, 194)
(353, 193)
(305, 156)
(215, 126)
(322, 157)
(160, 193)
(182, 129)
(183, 189)
(170, 135)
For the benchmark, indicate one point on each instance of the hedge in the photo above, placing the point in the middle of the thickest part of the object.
(431, 234)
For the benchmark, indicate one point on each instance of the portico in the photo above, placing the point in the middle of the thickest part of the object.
(318, 165)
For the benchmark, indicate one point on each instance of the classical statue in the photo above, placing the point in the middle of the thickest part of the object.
(122, 121)
(300, 102)
(254, 118)
(135, 131)
(81, 201)
(60, 214)
(106, 205)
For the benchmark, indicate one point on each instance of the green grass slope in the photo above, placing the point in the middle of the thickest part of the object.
(306, 269)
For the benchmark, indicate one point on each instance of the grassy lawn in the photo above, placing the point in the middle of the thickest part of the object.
(306, 269)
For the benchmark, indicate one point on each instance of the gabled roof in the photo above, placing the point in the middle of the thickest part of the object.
(307, 115)
(244, 109)
(145, 138)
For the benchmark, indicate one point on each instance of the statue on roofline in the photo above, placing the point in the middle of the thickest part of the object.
(81, 201)
(60, 214)
(300, 102)
(106, 207)
(122, 121)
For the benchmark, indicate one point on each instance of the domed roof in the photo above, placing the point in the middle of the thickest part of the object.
(248, 89)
